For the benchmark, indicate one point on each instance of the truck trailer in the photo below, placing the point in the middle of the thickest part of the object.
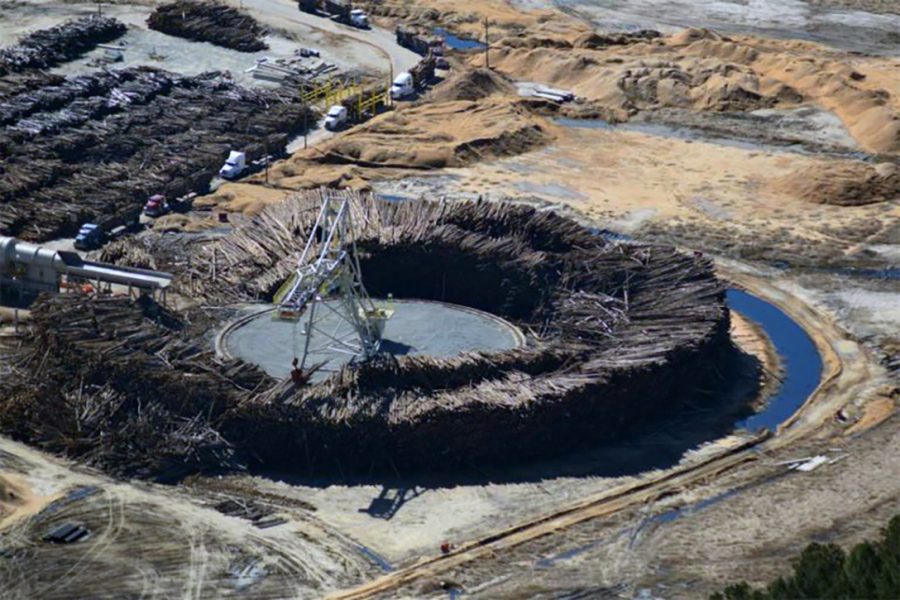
(94, 234)
(408, 83)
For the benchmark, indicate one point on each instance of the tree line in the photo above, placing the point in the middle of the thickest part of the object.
(871, 570)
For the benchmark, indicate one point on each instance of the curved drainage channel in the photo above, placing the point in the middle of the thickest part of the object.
(802, 363)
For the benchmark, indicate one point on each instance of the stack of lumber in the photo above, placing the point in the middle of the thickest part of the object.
(49, 47)
(211, 22)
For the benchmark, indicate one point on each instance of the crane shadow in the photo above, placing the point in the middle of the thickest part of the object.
(390, 500)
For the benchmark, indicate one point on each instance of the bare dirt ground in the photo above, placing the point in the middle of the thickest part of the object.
(154, 542)
(734, 200)
(776, 154)
(852, 25)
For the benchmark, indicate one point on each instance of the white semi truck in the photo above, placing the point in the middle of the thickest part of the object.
(336, 117)
(234, 166)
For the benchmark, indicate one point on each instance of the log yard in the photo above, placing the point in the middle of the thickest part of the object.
(428, 299)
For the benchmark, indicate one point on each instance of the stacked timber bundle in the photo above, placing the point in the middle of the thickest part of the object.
(94, 145)
(209, 22)
(50, 47)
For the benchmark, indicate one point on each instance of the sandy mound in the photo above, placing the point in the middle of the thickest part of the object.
(182, 223)
(248, 199)
(702, 70)
(416, 138)
(466, 17)
(436, 136)
(649, 80)
(17, 500)
(11, 496)
(843, 183)
(473, 85)
(595, 41)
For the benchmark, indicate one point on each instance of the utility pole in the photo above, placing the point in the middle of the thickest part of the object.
(487, 46)
(267, 162)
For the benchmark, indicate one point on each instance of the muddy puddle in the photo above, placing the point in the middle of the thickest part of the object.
(806, 130)
(458, 43)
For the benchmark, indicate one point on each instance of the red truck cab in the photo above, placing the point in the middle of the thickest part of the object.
(156, 206)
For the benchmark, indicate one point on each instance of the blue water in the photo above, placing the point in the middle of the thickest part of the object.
(457, 43)
(802, 363)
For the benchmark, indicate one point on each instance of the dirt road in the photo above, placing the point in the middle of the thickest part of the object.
(285, 15)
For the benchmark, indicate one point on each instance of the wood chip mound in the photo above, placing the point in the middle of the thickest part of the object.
(844, 183)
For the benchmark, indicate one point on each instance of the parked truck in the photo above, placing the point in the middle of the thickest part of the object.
(93, 235)
(341, 11)
(158, 205)
(408, 83)
(418, 40)
(234, 166)
(336, 117)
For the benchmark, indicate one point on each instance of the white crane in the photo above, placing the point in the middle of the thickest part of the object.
(328, 269)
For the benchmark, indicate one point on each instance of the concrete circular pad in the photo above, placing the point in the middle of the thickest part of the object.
(418, 327)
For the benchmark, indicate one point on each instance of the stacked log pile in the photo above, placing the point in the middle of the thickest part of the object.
(211, 22)
(49, 47)
(92, 145)
(114, 383)
(618, 334)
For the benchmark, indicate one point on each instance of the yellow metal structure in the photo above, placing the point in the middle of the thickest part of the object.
(335, 91)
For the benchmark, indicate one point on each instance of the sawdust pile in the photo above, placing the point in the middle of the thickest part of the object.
(843, 183)
(17, 499)
(466, 17)
(418, 138)
(701, 70)
(244, 198)
(472, 85)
